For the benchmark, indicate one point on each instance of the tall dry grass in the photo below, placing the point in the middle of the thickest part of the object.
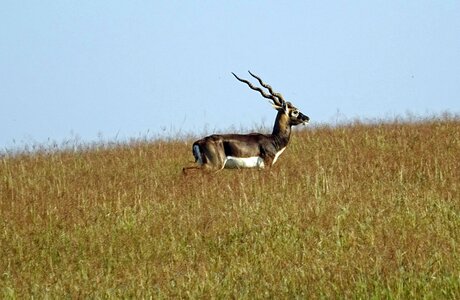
(353, 211)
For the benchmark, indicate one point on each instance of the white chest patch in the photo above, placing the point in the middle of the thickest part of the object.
(278, 155)
(232, 162)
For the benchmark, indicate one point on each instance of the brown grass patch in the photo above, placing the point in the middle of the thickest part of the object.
(356, 211)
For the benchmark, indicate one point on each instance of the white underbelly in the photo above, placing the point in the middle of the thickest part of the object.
(232, 162)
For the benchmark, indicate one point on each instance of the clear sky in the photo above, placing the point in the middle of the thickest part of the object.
(120, 69)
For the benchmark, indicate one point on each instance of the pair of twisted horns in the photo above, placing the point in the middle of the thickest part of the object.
(277, 98)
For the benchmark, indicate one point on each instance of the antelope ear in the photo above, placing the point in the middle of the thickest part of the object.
(285, 108)
(277, 107)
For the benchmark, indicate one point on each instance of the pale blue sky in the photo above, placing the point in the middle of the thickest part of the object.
(121, 69)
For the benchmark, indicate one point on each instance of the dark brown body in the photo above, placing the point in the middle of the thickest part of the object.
(216, 148)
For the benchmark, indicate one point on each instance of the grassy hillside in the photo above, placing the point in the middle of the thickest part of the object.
(354, 211)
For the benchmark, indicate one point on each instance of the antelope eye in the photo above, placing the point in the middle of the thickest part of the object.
(295, 113)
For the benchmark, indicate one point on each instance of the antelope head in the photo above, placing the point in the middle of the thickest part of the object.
(294, 116)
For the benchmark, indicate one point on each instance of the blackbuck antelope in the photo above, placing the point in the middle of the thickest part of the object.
(254, 150)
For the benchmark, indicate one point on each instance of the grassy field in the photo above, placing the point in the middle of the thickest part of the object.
(352, 211)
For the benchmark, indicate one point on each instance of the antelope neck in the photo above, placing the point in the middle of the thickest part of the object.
(281, 131)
